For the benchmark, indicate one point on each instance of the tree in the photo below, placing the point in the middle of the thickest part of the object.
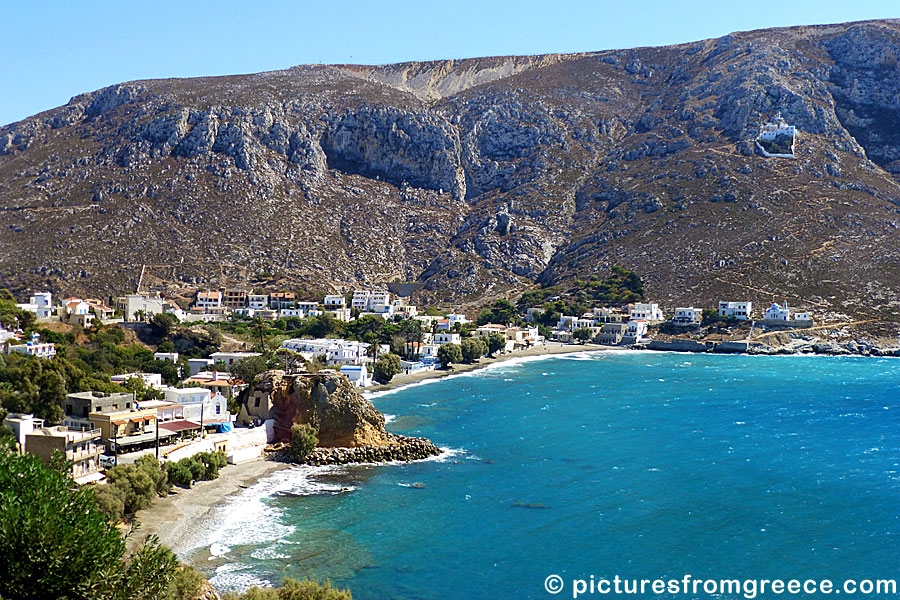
(449, 354)
(304, 439)
(472, 349)
(55, 542)
(582, 334)
(289, 359)
(259, 324)
(163, 324)
(140, 314)
(495, 343)
(293, 589)
(501, 311)
(386, 367)
(248, 368)
(51, 397)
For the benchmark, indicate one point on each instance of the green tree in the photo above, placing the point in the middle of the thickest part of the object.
(495, 343)
(248, 368)
(293, 589)
(502, 312)
(472, 349)
(304, 439)
(51, 397)
(55, 542)
(582, 334)
(386, 367)
(449, 354)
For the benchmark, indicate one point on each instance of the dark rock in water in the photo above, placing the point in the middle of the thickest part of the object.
(529, 505)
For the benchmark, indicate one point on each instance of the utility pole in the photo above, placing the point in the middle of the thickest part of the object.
(156, 422)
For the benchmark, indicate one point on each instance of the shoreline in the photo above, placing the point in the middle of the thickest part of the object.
(548, 349)
(174, 517)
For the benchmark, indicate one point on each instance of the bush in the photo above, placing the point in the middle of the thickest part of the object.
(135, 486)
(304, 439)
(386, 367)
(180, 473)
(56, 543)
(495, 343)
(185, 585)
(295, 590)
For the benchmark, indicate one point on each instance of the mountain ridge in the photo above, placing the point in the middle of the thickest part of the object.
(480, 177)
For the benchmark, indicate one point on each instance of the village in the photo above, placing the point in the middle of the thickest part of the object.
(201, 413)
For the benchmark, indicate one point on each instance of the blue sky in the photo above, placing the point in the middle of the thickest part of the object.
(53, 50)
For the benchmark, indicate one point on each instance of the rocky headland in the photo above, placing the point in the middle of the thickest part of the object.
(349, 427)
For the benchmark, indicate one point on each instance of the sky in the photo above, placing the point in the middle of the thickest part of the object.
(53, 50)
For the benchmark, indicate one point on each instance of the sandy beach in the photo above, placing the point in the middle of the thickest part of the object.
(172, 518)
(542, 350)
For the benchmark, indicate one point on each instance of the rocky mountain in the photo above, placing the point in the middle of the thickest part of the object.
(480, 177)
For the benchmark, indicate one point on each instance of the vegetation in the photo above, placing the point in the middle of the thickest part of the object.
(621, 287)
(495, 343)
(501, 312)
(449, 354)
(294, 590)
(248, 368)
(56, 543)
(203, 466)
(582, 334)
(386, 367)
(304, 439)
(130, 488)
(472, 349)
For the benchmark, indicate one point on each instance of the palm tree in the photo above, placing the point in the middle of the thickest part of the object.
(140, 314)
(259, 324)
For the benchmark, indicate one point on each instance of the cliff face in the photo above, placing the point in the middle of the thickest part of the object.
(329, 402)
(480, 177)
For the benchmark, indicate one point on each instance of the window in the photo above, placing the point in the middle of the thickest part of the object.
(257, 402)
(68, 409)
(218, 409)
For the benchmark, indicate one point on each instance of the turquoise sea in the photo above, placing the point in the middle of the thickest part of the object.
(637, 464)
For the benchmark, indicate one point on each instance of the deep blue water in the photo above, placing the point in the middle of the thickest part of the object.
(646, 465)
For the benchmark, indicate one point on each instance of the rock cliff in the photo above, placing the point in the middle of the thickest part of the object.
(480, 177)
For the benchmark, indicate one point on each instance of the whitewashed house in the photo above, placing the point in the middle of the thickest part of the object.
(333, 301)
(687, 316)
(258, 301)
(635, 331)
(776, 314)
(446, 337)
(151, 380)
(172, 356)
(357, 374)
(735, 310)
(642, 311)
(207, 300)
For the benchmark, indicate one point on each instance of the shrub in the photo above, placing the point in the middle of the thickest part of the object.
(185, 585)
(304, 439)
(180, 473)
(293, 589)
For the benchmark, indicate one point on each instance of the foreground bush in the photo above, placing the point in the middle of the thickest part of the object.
(56, 543)
(295, 590)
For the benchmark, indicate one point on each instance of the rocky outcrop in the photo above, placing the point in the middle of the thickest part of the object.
(350, 429)
(329, 402)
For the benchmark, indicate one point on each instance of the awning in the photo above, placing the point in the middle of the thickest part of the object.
(137, 419)
(149, 418)
(176, 426)
(120, 422)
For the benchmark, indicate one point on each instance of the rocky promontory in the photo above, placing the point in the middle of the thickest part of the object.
(350, 429)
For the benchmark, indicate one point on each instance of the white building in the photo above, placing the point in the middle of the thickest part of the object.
(642, 311)
(21, 425)
(341, 314)
(199, 403)
(151, 380)
(172, 356)
(335, 351)
(333, 301)
(783, 314)
(147, 303)
(446, 337)
(41, 304)
(291, 312)
(635, 331)
(209, 299)
(687, 316)
(454, 318)
(360, 300)
(258, 301)
(41, 350)
(199, 364)
(735, 310)
(357, 374)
